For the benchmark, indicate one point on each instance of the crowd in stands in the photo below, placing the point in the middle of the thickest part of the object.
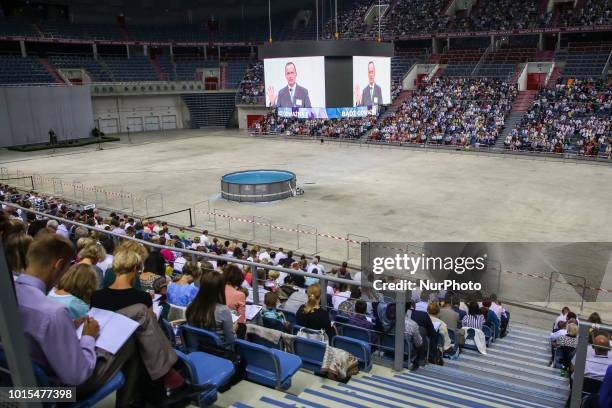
(352, 128)
(564, 343)
(61, 271)
(572, 116)
(593, 12)
(450, 111)
(409, 17)
(251, 88)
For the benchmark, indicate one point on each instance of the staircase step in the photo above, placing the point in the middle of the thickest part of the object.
(503, 357)
(524, 393)
(540, 352)
(470, 390)
(515, 366)
(557, 384)
(527, 329)
(520, 356)
(418, 391)
(533, 338)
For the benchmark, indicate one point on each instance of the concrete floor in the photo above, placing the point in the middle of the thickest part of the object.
(381, 194)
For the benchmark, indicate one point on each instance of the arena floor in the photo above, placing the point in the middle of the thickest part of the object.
(381, 194)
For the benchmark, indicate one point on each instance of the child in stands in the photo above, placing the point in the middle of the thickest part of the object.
(270, 312)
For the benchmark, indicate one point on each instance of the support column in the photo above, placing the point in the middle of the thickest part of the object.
(145, 50)
(205, 53)
(127, 50)
(492, 43)
(434, 45)
(219, 53)
(541, 42)
(558, 41)
(171, 50)
(94, 49)
(447, 43)
(23, 49)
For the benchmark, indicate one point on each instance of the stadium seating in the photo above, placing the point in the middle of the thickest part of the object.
(94, 68)
(17, 70)
(270, 367)
(203, 368)
(360, 349)
(311, 352)
(560, 121)
(210, 110)
(468, 111)
(84, 31)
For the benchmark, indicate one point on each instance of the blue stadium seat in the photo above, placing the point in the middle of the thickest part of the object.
(42, 379)
(201, 368)
(253, 338)
(360, 349)
(311, 352)
(168, 331)
(194, 337)
(273, 324)
(270, 367)
(355, 332)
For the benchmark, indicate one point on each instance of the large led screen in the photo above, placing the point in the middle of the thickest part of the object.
(371, 81)
(297, 82)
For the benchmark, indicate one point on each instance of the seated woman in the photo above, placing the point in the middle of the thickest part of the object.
(121, 293)
(433, 310)
(154, 269)
(234, 297)
(311, 316)
(75, 289)
(91, 254)
(208, 310)
(473, 318)
(184, 290)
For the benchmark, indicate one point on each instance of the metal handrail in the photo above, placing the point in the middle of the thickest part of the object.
(187, 251)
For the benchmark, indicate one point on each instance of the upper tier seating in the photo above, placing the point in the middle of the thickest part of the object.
(17, 70)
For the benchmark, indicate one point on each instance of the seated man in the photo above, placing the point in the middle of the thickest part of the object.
(359, 318)
(424, 321)
(598, 358)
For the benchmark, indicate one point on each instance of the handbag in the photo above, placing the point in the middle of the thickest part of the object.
(312, 334)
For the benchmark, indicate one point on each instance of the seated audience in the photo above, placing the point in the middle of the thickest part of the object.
(234, 297)
(359, 318)
(208, 310)
(473, 318)
(270, 311)
(312, 316)
(184, 290)
(75, 288)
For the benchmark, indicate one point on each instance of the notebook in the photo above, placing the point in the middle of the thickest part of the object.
(115, 329)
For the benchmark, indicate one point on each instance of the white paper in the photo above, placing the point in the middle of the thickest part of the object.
(157, 308)
(251, 311)
(235, 317)
(115, 329)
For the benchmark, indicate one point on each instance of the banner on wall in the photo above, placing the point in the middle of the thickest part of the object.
(327, 113)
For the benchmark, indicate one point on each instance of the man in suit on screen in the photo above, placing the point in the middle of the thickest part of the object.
(372, 93)
(291, 96)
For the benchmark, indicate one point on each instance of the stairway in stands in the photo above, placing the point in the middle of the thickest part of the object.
(512, 119)
(523, 100)
(51, 71)
(514, 373)
(160, 73)
(552, 81)
(397, 102)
